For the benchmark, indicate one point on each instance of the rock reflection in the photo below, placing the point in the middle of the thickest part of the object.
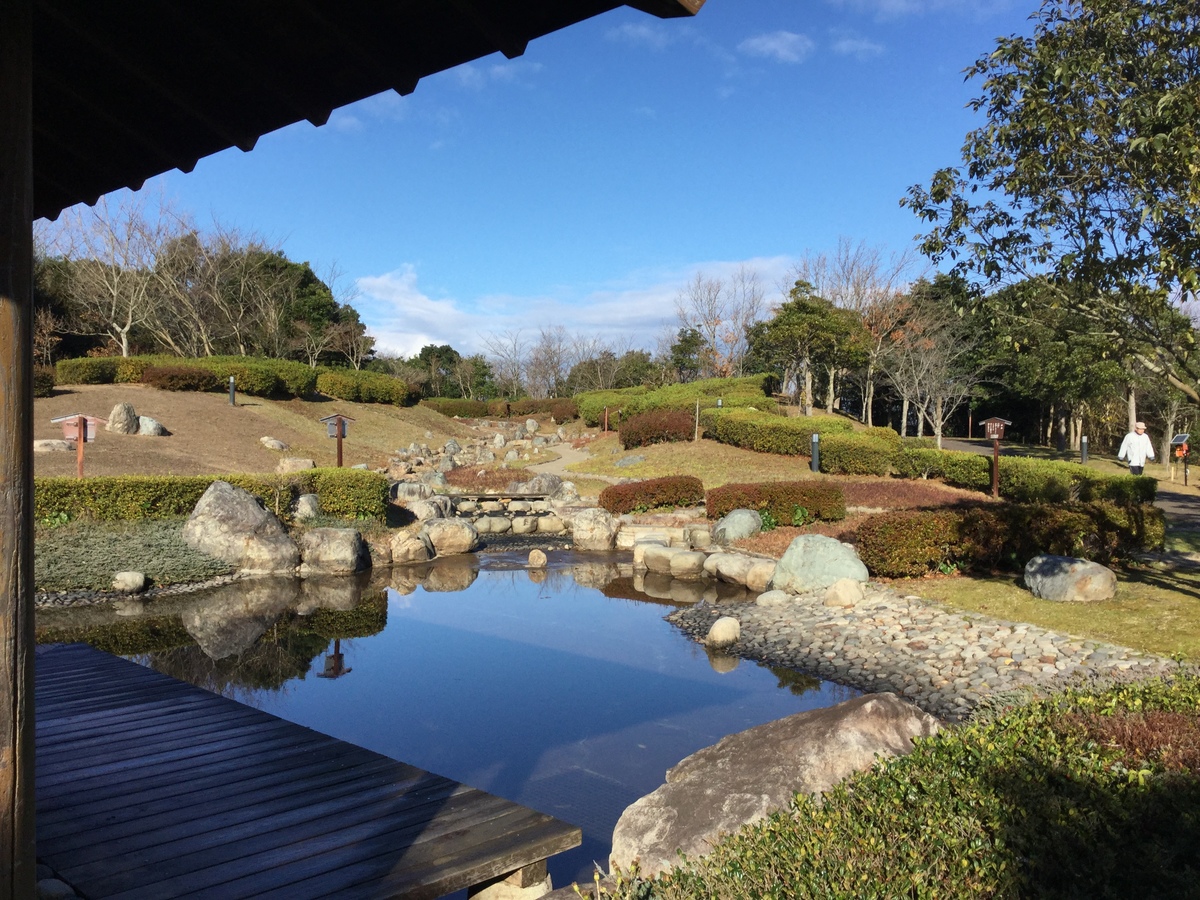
(721, 662)
(229, 619)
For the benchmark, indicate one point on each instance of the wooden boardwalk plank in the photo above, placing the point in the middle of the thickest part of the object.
(148, 787)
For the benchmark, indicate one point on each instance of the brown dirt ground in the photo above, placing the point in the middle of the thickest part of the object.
(208, 436)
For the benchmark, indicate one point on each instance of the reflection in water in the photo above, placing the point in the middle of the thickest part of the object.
(561, 688)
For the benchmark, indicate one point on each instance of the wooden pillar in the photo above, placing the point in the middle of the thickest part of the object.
(17, 865)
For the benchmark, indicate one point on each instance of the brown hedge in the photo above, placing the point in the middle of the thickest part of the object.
(824, 501)
(654, 493)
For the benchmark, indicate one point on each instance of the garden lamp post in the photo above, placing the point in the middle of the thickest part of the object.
(335, 427)
(994, 429)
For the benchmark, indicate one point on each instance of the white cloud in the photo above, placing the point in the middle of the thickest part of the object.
(635, 309)
(894, 9)
(781, 46)
(858, 47)
(641, 34)
(476, 77)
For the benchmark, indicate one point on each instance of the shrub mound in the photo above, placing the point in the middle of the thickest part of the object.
(43, 381)
(1090, 793)
(256, 376)
(821, 501)
(359, 386)
(660, 426)
(452, 407)
(654, 493)
(731, 392)
(769, 433)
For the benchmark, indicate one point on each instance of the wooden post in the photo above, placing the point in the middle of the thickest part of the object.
(80, 440)
(996, 467)
(17, 852)
(340, 425)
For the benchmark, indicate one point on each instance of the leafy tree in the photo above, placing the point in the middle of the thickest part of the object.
(1085, 173)
(438, 361)
(686, 354)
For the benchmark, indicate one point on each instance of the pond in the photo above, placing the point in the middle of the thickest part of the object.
(563, 689)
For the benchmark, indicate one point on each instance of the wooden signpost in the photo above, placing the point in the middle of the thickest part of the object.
(994, 429)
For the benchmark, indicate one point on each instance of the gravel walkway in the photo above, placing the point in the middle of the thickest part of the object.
(943, 661)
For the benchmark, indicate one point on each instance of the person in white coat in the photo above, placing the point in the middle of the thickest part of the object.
(1136, 448)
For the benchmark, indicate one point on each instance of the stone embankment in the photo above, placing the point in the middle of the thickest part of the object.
(943, 661)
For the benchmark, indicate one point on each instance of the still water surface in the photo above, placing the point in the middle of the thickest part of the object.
(538, 688)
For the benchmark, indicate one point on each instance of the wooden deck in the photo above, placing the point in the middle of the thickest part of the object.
(148, 787)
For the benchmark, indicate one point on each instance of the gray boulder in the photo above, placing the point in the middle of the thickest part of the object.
(739, 524)
(745, 776)
(542, 483)
(1069, 580)
(148, 427)
(294, 464)
(333, 551)
(52, 445)
(308, 506)
(594, 529)
(814, 562)
(129, 582)
(450, 536)
(123, 419)
(409, 548)
(531, 426)
(231, 524)
(409, 491)
(452, 447)
(272, 444)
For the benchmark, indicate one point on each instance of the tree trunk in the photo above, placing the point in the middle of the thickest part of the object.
(904, 417)
(808, 391)
(869, 402)
(1131, 403)
(829, 396)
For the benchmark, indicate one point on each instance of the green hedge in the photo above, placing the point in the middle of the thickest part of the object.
(653, 493)
(856, 454)
(1025, 480)
(43, 381)
(452, 407)
(732, 392)
(360, 386)
(1071, 796)
(769, 433)
(255, 376)
(823, 501)
(909, 543)
(344, 493)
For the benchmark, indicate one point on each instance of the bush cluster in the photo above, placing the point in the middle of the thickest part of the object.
(909, 543)
(732, 392)
(452, 407)
(359, 386)
(769, 433)
(823, 501)
(1081, 794)
(346, 493)
(654, 493)
(181, 378)
(661, 426)
(43, 381)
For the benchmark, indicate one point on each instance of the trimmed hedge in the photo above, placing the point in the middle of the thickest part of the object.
(360, 386)
(181, 378)
(255, 376)
(456, 408)
(660, 426)
(910, 543)
(856, 454)
(344, 493)
(769, 433)
(1025, 480)
(561, 409)
(654, 493)
(733, 392)
(822, 500)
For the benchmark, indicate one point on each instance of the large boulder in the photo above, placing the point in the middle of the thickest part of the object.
(123, 419)
(729, 567)
(289, 464)
(745, 776)
(450, 536)
(738, 524)
(148, 427)
(594, 529)
(410, 491)
(333, 551)
(409, 548)
(231, 524)
(1065, 579)
(814, 562)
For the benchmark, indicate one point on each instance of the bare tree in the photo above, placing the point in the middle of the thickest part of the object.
(549, 363)
(722, 313)
(46, 326)
(115, 242)
(746, 305)
(507, 351)
(860, 278)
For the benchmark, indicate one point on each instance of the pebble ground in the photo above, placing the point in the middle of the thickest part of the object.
(945, 662)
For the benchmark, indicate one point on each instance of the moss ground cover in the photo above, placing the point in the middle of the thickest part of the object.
(85, 556)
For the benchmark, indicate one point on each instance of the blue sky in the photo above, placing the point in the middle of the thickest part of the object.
(586, 182)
